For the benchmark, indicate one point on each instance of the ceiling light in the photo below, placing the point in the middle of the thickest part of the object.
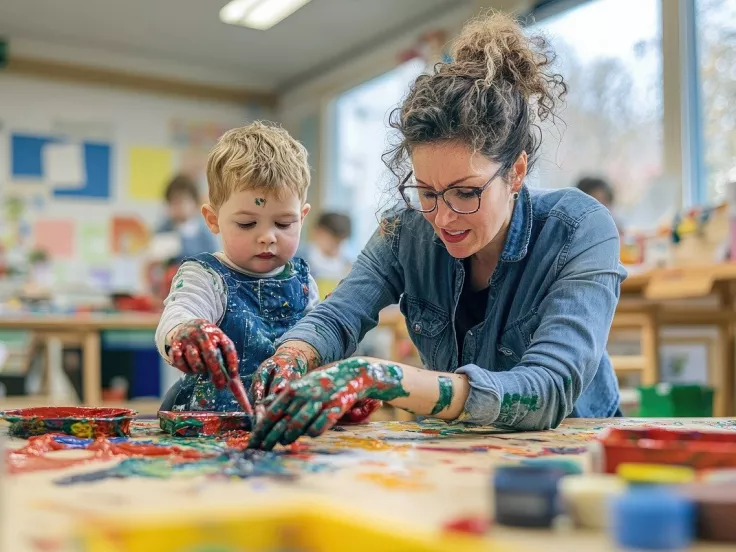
(259, 14)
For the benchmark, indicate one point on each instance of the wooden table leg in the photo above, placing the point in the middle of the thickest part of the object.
(54, 368)
(92, 370)
(725, 365)
(650, 348)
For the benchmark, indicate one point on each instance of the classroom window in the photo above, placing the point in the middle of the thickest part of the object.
(358, 183)
(716, 48)
(611, 125)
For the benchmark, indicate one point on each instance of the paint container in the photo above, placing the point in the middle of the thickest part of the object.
(655, 474)
(698, 450)
(196, 424)
(79, 421)
(569, 467)
(586, 498)
(526, 496)
(666, 400)
(648, 518)
(716, 510)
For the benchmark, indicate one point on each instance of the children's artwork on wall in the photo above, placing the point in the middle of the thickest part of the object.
(97, 163)
(55, 237)
(196, 134)
(149, 171)
(130, 235)
(94, 242)
(64, 165)
(71, 170)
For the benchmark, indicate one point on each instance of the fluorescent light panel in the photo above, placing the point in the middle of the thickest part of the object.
(259, 14)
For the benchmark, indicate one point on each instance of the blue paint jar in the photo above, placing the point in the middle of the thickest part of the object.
(526, 496)
(650, 518)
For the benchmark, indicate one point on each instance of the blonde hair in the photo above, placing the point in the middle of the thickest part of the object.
(259, 156)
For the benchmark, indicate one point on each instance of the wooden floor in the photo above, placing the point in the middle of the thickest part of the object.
(407, 474)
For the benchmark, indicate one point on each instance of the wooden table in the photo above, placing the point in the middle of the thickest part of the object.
(84, 329)
(401, 472)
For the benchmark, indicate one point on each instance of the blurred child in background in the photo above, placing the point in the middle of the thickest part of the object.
(325, 253)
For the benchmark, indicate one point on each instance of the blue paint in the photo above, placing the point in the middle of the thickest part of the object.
(526, 496)
(653, 519)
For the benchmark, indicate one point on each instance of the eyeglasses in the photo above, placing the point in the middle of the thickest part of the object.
(464, 200)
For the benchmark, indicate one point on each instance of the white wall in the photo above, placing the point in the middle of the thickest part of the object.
(120, 118)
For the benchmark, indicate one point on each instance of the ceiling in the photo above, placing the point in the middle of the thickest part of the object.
(318, 36)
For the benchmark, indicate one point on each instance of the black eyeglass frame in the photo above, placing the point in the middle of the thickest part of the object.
(477, 190)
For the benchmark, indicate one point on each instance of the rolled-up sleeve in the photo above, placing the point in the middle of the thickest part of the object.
(567, 347)
(335, 326)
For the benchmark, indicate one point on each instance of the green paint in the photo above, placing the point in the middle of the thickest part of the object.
(314, 403)
(260, 202)
(445, 397)
(516, 405)
(179, 284)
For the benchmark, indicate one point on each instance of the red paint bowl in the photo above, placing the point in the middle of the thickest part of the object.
(79, 421)
(698, 450)
(196, 424)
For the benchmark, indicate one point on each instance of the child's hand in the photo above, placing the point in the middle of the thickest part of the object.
(289, 363)
(360, 411)
(198, 347)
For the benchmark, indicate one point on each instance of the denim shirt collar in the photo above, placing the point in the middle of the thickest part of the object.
(520, 229)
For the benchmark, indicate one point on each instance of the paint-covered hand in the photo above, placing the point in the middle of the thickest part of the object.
(199, 347)
(314, 403)
(360, 411)
(289, 363)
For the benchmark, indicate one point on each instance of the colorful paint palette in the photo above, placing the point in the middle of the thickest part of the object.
(79, 421)
(698, 450)
(195, 424)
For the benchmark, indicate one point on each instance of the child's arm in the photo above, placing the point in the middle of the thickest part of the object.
(187, 335)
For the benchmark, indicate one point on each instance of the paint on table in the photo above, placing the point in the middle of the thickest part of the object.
(78, 421)
(194, 424)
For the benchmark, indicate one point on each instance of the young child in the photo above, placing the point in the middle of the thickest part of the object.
(182, 218)
(325, 254)
(226, 309)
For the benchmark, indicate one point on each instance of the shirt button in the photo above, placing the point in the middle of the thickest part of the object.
(470, 333)
(417, 328)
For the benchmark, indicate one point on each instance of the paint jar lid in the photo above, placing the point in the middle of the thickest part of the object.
(658, 474)
(652, 519)
(527, 478)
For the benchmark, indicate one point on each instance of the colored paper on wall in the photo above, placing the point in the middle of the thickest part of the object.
(149, 171)
(55, 236)
(26, 156)
(97, 166)
(64, 165)
(94, 242)
(130, 235)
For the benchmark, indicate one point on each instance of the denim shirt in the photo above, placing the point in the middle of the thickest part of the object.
(540, 353)
(258, 311)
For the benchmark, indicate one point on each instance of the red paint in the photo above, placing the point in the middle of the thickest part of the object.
(472, 525)
(360, 411)
(81, 412)
(32, 456)
(431, 431)
(665, 446)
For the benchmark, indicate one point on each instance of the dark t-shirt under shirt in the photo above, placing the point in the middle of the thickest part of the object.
(471, 310)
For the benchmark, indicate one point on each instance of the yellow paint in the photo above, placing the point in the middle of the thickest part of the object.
(395, 481)
(366, 444)
(655, 473)
(149, 170)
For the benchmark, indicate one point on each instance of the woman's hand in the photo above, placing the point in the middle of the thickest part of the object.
(314, 403)
(198, 347)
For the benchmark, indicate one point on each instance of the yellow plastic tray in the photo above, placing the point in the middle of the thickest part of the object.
(303, 527)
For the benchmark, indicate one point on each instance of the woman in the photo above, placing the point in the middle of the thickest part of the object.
(508, 292)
